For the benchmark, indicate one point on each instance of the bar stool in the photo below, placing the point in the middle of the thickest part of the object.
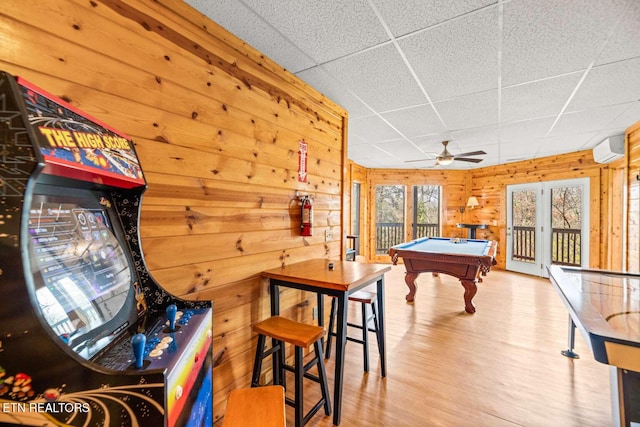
(352, 248)
(255, 407)
(365, 298)
(300, 335)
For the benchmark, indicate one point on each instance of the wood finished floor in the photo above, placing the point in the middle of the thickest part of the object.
(499, 367)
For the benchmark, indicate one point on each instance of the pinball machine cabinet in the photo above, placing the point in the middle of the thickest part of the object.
(74, 289)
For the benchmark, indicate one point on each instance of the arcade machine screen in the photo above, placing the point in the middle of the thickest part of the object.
(82, 275)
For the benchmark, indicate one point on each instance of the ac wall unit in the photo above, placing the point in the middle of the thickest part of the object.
(609, 150)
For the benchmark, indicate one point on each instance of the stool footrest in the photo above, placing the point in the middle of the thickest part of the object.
(358, 340)
(307, 375)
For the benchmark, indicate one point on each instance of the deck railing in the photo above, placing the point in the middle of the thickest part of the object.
(565, 245)
(392, 233)
(388, 234)
(565, 242)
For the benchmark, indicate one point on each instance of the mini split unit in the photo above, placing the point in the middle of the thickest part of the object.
(609, 150)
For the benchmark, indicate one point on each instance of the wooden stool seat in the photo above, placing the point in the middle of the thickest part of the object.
(255, 407)
(301, 335)
(287, 330)
(364, 298)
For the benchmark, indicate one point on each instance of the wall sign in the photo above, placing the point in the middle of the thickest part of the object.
(302, 161)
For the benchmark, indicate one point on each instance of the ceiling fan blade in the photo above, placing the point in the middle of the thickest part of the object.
(464, 159)
(472, 153)
(420, 160)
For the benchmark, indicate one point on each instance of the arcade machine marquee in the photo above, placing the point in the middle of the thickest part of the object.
(87, 337)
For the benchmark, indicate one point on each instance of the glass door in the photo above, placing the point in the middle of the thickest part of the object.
(355, 215)
(426, 211)
(547, 223)
(524, 237)
(390, 206)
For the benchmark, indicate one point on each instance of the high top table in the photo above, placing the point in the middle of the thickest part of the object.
(316, 275)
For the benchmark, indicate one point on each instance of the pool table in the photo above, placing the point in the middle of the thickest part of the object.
(464, 259)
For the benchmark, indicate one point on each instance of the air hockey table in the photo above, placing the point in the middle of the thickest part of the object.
(605, 307)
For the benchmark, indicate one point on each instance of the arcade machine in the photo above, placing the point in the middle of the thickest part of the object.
(87, 337)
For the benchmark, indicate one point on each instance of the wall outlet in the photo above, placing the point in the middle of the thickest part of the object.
(314, 313)
(328, 235)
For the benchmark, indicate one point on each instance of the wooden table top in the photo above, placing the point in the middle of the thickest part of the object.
(316, 272)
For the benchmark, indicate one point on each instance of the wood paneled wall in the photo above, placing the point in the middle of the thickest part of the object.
(358, 174)
(217, 127)
(633, 199)
(489, 186)
(454, 194)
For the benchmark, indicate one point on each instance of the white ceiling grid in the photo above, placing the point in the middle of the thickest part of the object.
(518, 79)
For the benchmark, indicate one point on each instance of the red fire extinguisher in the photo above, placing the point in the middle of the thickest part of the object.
(306, 224)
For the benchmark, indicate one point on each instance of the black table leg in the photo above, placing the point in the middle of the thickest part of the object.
(320, 305)
(381, 330)
(341, 342)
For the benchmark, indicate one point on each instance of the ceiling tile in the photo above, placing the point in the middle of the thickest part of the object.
(328, 29)
(246, 25)
(543, 38)
(473, 139)
(417, 14)
(624, 44)
(470, 111)
(629, 116)
(588, 120)
(512, 151)
(401, 150)
(378, 77)
(420, 120)
(609, 84)
(525, 131)
(538, 98)
(554, 145)
(458, 57)
(322, 81)
(371, 129)
(431, 144)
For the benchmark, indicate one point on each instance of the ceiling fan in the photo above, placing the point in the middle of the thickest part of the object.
(446, 158)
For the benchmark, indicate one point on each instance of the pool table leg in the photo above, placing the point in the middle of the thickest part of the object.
(410, 279)
(470, 290)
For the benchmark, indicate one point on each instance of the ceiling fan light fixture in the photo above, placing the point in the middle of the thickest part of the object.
(445, 161)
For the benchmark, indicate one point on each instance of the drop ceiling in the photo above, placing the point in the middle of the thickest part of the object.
(518, 79)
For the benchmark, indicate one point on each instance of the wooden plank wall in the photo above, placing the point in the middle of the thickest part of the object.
(633, 198)
(217, 127)
(358, 174)
(454, 196)
(489, 186)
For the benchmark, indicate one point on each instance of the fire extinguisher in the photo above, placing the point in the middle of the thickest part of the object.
(306, 224)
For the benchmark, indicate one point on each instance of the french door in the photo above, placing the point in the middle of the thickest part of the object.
(547, 223)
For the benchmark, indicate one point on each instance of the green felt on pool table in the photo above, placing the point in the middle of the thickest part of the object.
(465, 259)
(446, 245)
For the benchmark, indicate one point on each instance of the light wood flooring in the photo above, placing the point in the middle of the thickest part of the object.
(500, 367)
